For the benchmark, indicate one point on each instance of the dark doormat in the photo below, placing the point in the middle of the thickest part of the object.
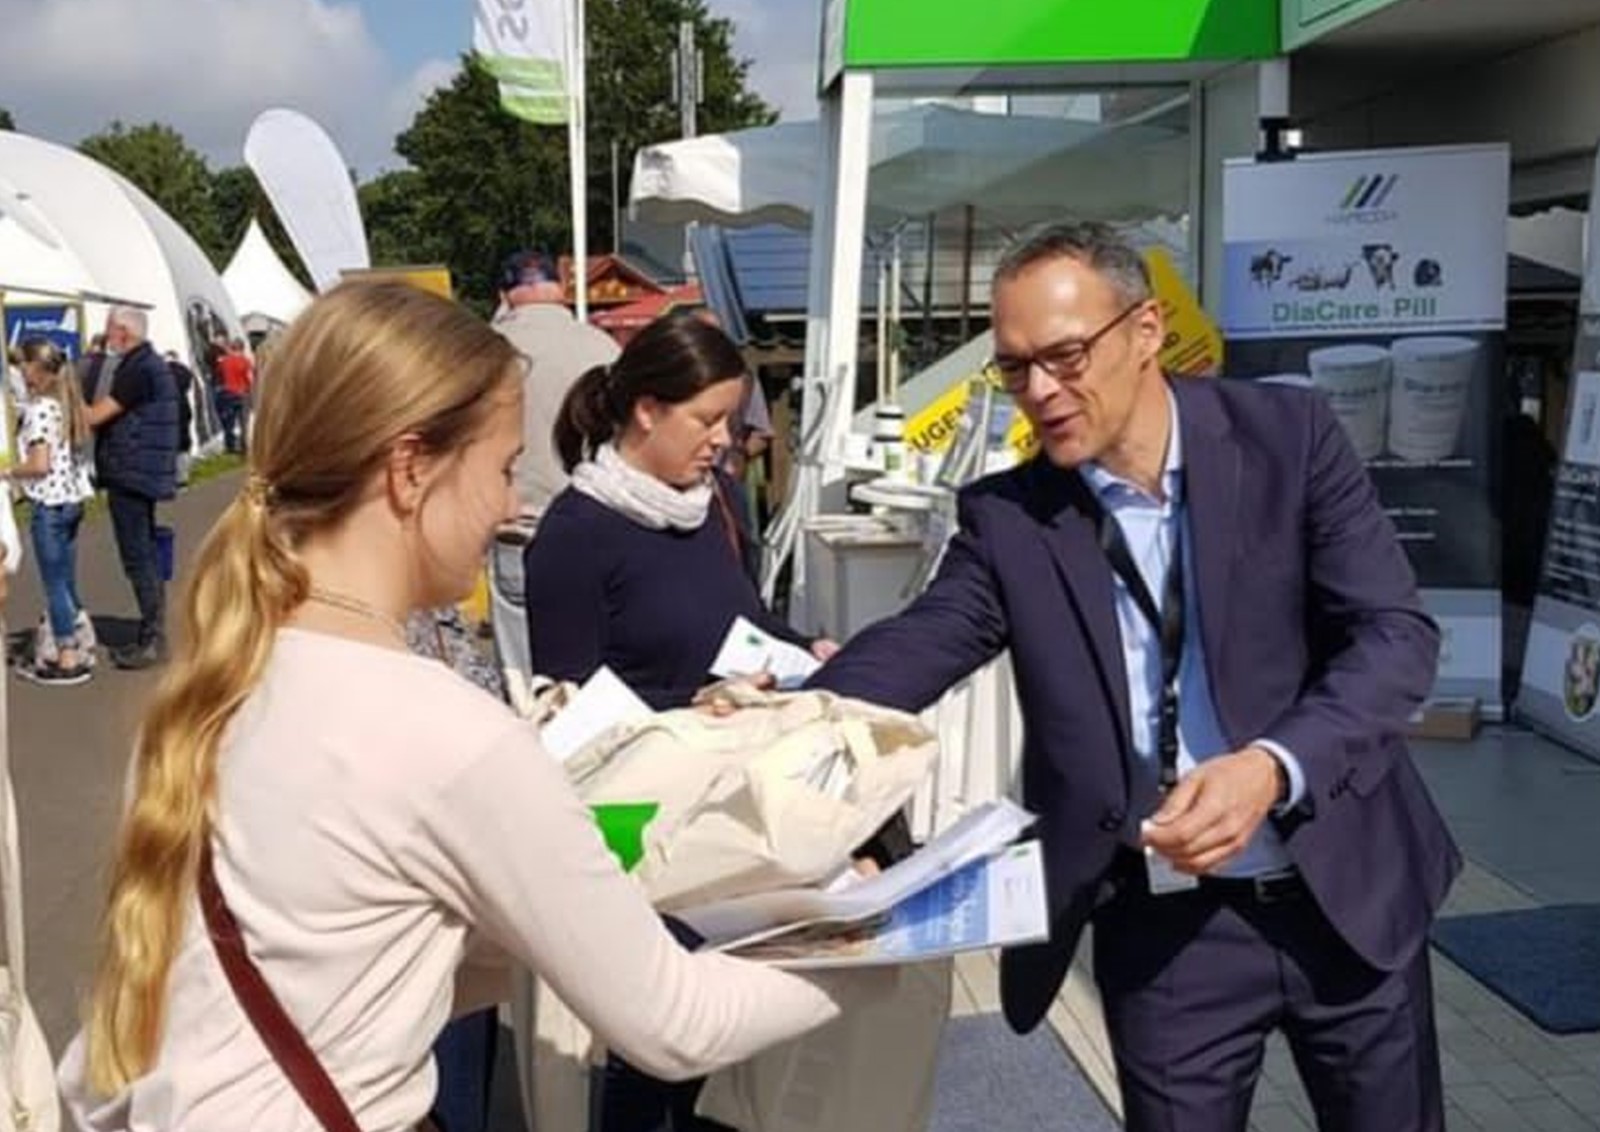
(1543, 961)
(990, 1080)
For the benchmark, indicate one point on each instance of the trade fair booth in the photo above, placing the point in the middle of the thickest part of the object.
(943, 120)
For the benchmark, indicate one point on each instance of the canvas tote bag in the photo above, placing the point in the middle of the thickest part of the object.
(775, 795)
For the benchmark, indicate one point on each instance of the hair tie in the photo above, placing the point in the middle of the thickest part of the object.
(260, 492)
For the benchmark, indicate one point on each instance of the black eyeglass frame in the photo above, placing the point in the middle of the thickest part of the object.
(1061, 360)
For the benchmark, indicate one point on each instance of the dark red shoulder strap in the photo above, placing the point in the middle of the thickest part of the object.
(281, 1036)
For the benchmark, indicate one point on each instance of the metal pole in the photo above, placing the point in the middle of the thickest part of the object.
(966, 272)
(927, 351)
(616, 202)
(689, 80)
(577, 126)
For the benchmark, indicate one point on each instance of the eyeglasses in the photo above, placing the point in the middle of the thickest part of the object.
(1061, 360)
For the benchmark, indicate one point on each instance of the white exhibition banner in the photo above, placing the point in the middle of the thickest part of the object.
(524, 45)
(308, 182)
(1560, 691)
(1379, 278)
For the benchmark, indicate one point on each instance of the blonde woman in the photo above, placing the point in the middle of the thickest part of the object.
(53, 476)
(369, 819)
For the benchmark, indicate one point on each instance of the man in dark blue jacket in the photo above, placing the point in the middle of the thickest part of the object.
(136, 455)
(1217, 641)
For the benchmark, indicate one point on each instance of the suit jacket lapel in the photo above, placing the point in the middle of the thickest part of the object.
(1068, 528)
(1212, 468)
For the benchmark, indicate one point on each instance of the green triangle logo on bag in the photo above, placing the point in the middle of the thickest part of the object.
(622, 827)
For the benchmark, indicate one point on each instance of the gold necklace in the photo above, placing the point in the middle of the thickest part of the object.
(359, 608)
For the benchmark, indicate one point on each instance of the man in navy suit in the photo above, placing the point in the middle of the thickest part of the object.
(1217, 642)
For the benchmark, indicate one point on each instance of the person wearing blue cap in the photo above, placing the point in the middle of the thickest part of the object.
(533, 317)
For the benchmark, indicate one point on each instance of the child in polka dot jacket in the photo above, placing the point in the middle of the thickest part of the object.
(54, 476)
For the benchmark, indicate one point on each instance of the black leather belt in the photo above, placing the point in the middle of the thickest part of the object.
(1272, 888)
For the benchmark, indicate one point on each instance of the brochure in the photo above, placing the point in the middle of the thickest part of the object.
(978, 835)
(998, 901)
(748, 650)
(602, 703)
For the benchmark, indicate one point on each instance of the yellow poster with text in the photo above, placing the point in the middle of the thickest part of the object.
(1193, 348)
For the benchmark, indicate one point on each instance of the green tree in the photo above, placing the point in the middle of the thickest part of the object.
(396, 233)
(238, 198)
(157, 159)
(487, 184)
(7, 122)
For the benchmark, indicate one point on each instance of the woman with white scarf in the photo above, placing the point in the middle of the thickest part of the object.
(643, 562)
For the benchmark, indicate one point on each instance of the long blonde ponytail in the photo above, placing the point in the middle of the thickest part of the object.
(365, 364)
(246, 583)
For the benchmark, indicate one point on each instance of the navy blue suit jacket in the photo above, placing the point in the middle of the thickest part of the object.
(1314, 637)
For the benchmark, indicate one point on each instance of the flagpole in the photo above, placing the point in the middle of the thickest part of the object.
(578, 147)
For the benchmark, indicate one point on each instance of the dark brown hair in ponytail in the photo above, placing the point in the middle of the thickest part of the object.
(671, 360)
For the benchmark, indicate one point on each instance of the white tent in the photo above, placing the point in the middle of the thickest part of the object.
(925, 159)
(89, 231)
(265, 293)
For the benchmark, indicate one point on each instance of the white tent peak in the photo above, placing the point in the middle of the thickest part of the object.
(261, 287)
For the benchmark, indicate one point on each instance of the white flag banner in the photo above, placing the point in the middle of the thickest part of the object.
(524, 44)
(308, 182)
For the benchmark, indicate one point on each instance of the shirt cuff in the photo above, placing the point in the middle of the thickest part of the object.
(1291, 767)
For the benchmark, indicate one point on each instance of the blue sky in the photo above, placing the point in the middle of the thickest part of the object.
(360, 67)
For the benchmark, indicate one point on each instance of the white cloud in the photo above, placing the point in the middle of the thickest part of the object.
(207, 68)
(780, 38)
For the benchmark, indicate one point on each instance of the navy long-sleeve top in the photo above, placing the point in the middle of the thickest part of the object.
(651, 605)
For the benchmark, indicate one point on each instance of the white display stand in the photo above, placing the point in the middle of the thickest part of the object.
(860, 571)
(857, 573)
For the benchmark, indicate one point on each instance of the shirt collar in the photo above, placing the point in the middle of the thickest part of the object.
(1108, 485)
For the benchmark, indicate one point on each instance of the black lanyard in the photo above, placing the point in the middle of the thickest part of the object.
(1166, 621)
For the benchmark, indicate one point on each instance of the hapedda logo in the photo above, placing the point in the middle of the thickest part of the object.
(1364, 200)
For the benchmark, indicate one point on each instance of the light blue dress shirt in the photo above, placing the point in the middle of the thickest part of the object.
(1149, 525)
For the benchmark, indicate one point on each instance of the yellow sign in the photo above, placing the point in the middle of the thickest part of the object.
(1193, 348)
(429, 278)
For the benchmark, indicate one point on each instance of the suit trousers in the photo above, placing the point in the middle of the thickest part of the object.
(1194, 982)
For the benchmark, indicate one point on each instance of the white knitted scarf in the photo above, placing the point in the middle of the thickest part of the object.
(612, 481)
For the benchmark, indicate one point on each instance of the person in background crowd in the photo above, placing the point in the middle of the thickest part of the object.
(387, 839)
(136, 455)
(751, 437)
(235, 379)
(465, 1051)
(10, 540)
(94, 370)
(55, 481)
(183, 377)
(643, 563)
(16, 386)
(560, 349)
(1217, 642)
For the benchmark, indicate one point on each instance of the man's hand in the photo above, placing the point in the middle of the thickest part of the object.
(722, 698)
(824, 649)
(1210, 816)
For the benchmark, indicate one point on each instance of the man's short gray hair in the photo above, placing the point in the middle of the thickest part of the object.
(131, 319)
(1097, 246)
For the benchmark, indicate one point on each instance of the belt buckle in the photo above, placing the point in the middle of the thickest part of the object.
(1273, 888)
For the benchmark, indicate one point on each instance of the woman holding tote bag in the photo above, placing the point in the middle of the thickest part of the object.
(323, 827)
